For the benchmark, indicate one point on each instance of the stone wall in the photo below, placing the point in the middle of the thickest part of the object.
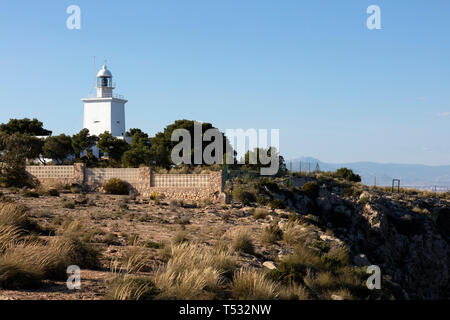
(142, 180)
(55, 176)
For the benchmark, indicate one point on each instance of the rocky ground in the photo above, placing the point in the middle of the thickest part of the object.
(406, 235)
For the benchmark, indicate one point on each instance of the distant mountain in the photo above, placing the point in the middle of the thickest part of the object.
(411, 175)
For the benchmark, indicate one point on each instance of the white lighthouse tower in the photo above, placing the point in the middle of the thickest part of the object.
(106, 111)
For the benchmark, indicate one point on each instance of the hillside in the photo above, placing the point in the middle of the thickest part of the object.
(300, 237)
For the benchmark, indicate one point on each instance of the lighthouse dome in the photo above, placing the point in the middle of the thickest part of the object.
(104, 72)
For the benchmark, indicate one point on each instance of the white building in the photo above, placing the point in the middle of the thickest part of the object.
(105, 111)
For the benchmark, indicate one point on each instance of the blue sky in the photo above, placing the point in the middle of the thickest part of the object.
(336, 90)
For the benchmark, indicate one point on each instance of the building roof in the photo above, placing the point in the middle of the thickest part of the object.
(104, 72)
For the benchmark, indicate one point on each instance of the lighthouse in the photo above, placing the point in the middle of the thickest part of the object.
(105, 111)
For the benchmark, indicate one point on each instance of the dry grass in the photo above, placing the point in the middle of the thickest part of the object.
(180, 237)
(260, 213)
(293, 292)
(242, 242)
(33, 262)
(271, 233)
(127, 287)
(13, 214)
(304, 256)
(9, 235)
(250, 284)
(135, 260)
(193, 272)
(292, 233)
(336, 257)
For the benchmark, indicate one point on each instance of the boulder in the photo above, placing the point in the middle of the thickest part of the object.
(270, 265)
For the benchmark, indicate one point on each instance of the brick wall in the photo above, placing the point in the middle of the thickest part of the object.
(142, 180)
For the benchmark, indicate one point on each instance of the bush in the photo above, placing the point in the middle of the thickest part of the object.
(293, 268)
(264, 185)
(52, 193)
(155, 197)
(31, 194)
(240, 194)
(337, 257)
(68, 204)
(277, 204)
(311, 189)
(347, 174)
(116, 186)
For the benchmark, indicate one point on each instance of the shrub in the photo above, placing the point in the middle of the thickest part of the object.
(153, 245)
(52, 193)
(264, 185)
(347, 174)
(155, 196)
(364, 200)
(311, 189)
(240, 194)
(116, 186)
(253, 285)
(75, 188)
(31, 194)
(293, 268)
(68, 204)
(242, 242)
(336, 257)
(277, 204)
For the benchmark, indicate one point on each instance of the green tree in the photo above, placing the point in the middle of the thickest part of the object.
(140, 151)
(83, 141)
(162, 145)
(15, 150)
(113, 147)
(58, 147)
(255, 154)
(26, 126)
